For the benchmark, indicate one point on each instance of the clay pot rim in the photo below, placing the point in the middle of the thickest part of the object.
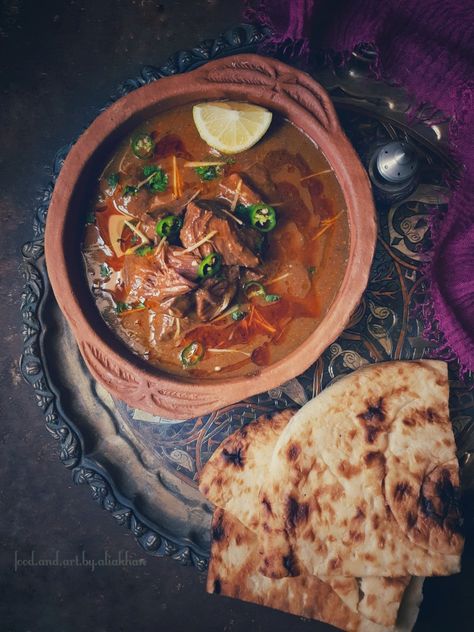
(307, 105)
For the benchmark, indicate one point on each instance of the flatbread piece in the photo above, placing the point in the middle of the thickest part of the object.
(364, 480)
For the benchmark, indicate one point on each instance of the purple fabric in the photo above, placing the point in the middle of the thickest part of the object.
(427, 46)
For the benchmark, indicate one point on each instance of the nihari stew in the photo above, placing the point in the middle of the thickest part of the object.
(210, 264)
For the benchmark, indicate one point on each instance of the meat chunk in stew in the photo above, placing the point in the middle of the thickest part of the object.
(150, 277)
(231, 241)
(215, 295)
(228, 186)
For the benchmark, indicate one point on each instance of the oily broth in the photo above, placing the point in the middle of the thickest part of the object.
(302, 207)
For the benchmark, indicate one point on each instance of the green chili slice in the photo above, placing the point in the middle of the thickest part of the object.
(142, 145)
(210, 265)
(169, 226)
(254, 288)
(262, 217)
(192, 354)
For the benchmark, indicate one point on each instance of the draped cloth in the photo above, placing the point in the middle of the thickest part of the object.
(426, 46)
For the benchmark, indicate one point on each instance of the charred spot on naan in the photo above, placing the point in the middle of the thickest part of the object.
(293, 452)
(375, 411)
(401, 490)
(411, 520)
(218, 532)
(296, 513)
(236, 456)
(356, 536)
(373, 459)
(290, 564)
(373, 419)
(430, 513)
(348, 470)
(440, 496)
(267, 504)
(355, 528)
(426, 415)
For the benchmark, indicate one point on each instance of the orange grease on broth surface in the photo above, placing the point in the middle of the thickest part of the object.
(274, 167)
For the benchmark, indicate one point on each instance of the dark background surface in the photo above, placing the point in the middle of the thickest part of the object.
(59, 62)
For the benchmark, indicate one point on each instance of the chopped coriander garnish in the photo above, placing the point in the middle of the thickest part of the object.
(90, 218)
(113, 180)
(129, 190)
(144, 250)
(159, 179)
(104, 270)
(272, 298)
(311, 270)
(134, 239)
(149, 169)
(122, 307)
(238, 315)
(209, 172)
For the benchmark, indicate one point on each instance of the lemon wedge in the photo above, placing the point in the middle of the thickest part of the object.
(229, 126)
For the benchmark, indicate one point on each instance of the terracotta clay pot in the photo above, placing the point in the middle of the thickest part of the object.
(252, 78)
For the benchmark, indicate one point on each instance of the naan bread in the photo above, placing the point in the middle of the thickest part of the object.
(233, 572)
(231, 480)
(232, 477)
(364, 479)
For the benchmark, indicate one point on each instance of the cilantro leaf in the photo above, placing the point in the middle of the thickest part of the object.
(208, 173)
(104, 270)
(149, 169)
(121, 307)
(272, 298)
(238, 314)
(129, 190)
(144, 250)
(113, 180)
(159, 179)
